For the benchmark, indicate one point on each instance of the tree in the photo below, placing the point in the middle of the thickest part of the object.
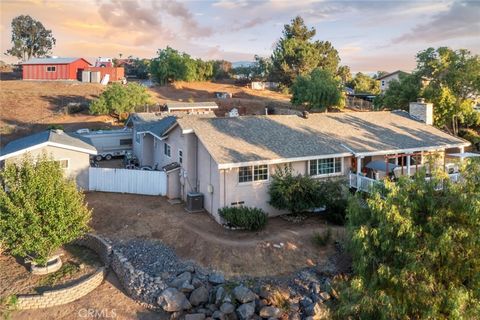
(261, 68)
(30, 38)
(118, 99)
(344, 73)
(221, 69)
(380, 74)
(400, 93)
(363, 83)
(415, 250)
(454, 82)
(40, 210)
(318, 91)
(296, 54)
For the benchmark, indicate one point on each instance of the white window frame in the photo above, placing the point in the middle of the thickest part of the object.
(334, 174)
(180, 157)
(252, 167)
(169, 149)
(63, 159)
(54, 68)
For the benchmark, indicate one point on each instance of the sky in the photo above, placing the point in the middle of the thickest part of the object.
(369, 35)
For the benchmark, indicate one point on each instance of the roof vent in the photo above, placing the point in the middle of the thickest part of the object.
(421, 100)
(305, 114)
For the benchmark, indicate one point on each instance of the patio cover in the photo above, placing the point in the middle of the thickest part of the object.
(380, 165)
(463, 155)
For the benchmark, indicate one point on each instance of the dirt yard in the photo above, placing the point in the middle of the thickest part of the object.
(198, 237)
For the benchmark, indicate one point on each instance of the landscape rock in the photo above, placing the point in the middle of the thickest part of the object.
(325, 296)
(220, 294)
(227, 308)
(218, 315)
(305, 302)
(196, 282)
(216, 278)
(246, 310)
(199, 296)
(186, 287)
(270, 312)
(317, 311)
(195, 316)
(181, 279)
(172, 300)
(243, 294)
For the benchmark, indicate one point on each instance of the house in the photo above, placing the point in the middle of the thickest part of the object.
(71, 150)
(231, 160)
(385, 79)
(191, 107)
(54, 68)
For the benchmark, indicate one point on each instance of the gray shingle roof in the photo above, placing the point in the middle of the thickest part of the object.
(157, 127)
(259, 138)
(191, 105)
(51, 60)
(68, 140)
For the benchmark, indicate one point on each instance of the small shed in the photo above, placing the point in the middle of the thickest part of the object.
(115, 73)
(54, 68)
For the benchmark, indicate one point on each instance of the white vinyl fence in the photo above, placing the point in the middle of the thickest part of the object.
(127, 181)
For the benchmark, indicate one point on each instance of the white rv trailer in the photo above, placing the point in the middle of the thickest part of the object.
(109, 143)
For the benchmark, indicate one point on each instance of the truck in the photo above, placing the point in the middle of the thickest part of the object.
(109, 143)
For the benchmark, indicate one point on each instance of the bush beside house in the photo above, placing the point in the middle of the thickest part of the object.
(40, 210)
(244, 217)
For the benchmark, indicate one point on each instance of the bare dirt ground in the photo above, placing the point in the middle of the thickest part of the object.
(198, 237)
(108, 301)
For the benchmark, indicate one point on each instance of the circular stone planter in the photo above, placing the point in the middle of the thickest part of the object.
(53, 264)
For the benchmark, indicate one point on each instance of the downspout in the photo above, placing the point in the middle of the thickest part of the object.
(210, 182)
(224, 189)
(196, 164)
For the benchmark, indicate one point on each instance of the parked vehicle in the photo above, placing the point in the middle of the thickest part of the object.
(109, 143)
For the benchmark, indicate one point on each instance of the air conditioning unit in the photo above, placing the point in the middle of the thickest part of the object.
(194, 202)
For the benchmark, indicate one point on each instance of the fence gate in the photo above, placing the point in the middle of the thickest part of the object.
(127, 181)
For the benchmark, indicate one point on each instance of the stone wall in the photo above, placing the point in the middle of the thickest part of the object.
(79, 288)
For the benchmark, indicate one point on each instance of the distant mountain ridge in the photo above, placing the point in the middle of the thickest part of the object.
(237, 64)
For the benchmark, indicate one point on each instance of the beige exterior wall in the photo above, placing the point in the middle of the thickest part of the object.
(385, 81)
(78, 162)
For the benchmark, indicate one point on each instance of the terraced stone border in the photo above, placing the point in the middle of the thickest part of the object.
(79, 288)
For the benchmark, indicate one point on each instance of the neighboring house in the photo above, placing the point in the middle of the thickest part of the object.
(231, 160)
(71, 150)
(385, 80)
(54, 68)
(191, 107)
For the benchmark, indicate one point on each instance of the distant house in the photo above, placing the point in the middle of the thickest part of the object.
(385, 80)
(72, 151)
(191, 107)
(231, 160)
(54, 68)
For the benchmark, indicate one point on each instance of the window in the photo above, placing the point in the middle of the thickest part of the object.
(327, 166)
(253, 173)
(63, 163)
(180, 156)
(125, 142)
(51, 69)
(383, 83)
(167, 150)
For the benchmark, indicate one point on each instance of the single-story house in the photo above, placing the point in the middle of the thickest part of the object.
(231, 160)
(71, 150)
(54, 68)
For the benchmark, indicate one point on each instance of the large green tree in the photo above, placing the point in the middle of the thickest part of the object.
(363, 83)
(40, 210)
(318, 90)
(416, 250)
(400, 92)
(297, 54)
(30, 38)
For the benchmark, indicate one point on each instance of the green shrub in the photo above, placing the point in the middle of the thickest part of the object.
(40, 210)
(294, 193)
(118, 99)
(335, 198)
(472, 136)
(322, 240)
(245, 217)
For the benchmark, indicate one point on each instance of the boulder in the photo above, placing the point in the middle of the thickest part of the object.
(325, 296)
(195, 316)
(218, 315)
(317, 311)
(186, 287)
(199, 296)
(246, 310)
(181, 279)
(220, 294)
(270, 312)
(172, 300)
(243, 294)
(196, 282)
(227, 308)
(216, 278)
(305, 302)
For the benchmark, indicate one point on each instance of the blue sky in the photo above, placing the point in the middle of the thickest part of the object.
(369, 35)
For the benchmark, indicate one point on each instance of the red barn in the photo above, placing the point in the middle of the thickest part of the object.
(54, 68)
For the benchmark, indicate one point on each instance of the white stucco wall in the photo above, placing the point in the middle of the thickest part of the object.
(385, 81)
(78, 162)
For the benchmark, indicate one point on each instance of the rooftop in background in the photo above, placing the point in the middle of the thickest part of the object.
(53, 60)
(56, 138)
(176, 106)
(392, 74)
(250, 139)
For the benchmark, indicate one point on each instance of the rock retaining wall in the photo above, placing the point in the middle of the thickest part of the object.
(79, 288)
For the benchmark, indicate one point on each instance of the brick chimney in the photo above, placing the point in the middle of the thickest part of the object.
(422, 111)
